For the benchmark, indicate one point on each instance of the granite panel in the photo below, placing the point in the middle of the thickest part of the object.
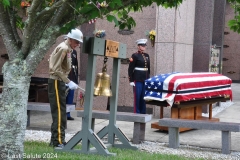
(179, 61)
(190, 21)
(203, 35)
(164, 58)
(219, 12)
(203, 20)
(232, 51)
(184, 22)
(165, 24)
(183, 58)
(231, 61)
(201, 58)
(123, 84)
(218, 23)
(233, 46)
(231, 36)
(188, 58)
(233, 76)
(228, 10)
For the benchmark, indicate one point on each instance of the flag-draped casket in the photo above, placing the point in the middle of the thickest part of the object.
(177, 87)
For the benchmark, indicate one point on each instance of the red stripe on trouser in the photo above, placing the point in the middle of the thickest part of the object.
(134, 101)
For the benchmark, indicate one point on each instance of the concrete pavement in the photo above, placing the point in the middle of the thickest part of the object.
(200, 138)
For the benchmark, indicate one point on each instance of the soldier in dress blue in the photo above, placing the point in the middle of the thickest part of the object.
(138, 72)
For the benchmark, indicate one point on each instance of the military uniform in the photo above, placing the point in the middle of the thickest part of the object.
(138, 72)
(73, 76)
(59, 68)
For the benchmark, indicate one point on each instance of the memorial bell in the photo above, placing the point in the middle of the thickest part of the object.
(102, 83)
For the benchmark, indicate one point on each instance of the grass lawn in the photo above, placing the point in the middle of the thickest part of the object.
(40, 150)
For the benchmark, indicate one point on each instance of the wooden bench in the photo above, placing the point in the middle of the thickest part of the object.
(226, 128)
(139, 120)
(38, 106)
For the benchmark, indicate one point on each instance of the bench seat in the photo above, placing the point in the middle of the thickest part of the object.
(39, 106)
(174, 125)
(139, 120)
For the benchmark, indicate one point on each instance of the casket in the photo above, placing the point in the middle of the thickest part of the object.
(176, 87)
(187, 94)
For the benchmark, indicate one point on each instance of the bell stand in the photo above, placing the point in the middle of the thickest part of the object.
(87, 135)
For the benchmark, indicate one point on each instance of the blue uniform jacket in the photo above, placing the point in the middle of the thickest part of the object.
(140, 60)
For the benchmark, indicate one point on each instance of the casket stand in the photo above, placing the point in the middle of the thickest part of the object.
(187, 110)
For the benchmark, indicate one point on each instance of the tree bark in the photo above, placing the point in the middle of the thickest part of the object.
(13, 108)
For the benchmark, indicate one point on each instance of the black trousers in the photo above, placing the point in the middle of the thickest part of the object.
(57, 99)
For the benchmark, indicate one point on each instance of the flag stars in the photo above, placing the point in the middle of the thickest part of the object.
(152, 83)
(158, 94)
(159, 83)
(151, 93)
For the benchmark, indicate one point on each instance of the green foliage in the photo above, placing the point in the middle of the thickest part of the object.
(116, 11)
(42, 149)
(68, 26)
(234, 24)
(19, 22)
(6, 3)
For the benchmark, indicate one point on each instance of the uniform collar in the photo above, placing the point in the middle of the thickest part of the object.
(69, 47)
(139, 51)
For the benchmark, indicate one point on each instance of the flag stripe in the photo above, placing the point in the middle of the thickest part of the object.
(186, 86)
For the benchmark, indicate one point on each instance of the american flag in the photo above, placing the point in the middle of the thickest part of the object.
(177, 87)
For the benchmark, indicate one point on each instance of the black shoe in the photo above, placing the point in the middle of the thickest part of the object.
(70, 118)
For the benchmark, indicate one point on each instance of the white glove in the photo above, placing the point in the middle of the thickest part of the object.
(132, 84)
(72, 85)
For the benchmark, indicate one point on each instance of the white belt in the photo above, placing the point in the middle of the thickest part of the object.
(141, 69)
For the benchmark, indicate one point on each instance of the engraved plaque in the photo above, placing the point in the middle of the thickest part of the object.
(112, 48)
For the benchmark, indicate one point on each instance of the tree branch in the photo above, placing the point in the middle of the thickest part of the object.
(14, 28)
(7, 33)
(40, 49)
(60, 13)
(28, 30)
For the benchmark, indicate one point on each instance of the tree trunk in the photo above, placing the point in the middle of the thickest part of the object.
(13, 108)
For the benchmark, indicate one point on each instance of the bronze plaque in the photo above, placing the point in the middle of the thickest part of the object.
(112, 48)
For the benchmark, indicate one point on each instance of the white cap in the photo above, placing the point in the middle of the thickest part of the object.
(76, 34)
(141, 41)
(65, 37)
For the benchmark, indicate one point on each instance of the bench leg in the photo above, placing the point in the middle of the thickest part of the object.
(173, 137)
(28, 118)
(138, 132)
(226, 142)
